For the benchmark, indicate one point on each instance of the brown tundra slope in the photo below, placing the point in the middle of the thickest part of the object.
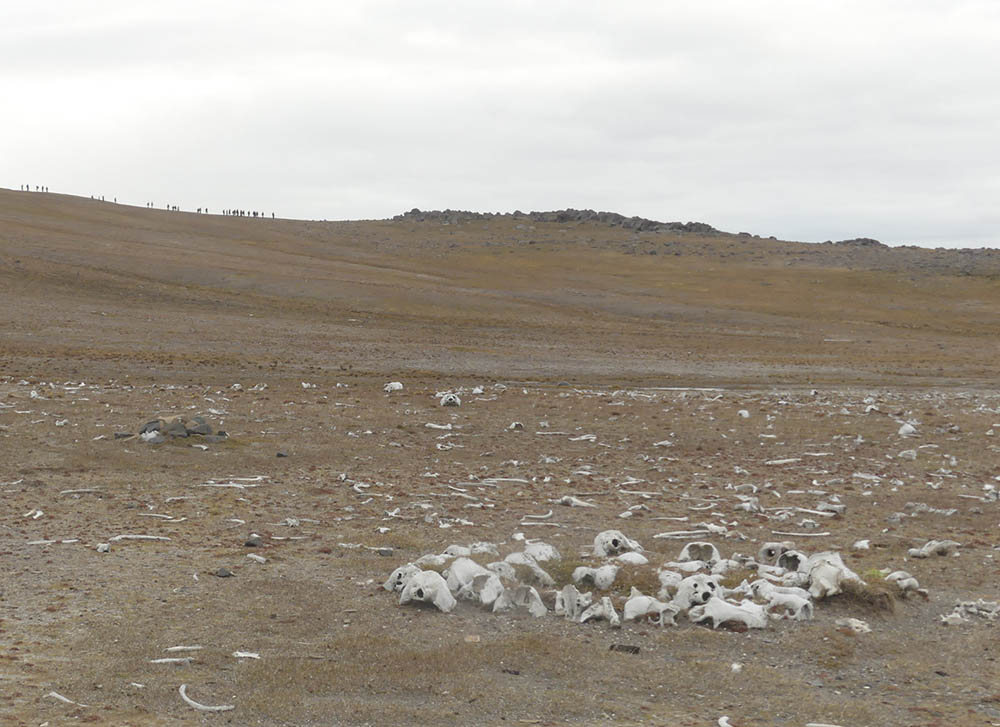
(746, 389)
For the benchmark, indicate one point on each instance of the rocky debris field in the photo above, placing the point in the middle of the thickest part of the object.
(152, 583)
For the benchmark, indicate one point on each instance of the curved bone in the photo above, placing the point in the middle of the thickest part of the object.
(203, 707)
(428, 587)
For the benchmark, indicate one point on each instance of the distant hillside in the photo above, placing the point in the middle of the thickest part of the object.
(860, 253)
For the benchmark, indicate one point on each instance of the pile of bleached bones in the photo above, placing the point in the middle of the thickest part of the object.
(787, 583)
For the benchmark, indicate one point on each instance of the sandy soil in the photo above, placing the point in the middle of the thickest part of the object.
(115, 315)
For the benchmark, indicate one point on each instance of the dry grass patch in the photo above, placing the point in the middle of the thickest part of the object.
(873, 599)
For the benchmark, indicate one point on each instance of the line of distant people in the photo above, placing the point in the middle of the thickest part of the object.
(246, 213)
(170, 207)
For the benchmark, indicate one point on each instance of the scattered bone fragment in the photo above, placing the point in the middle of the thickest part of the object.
(854, 624)
(906, 583)
(521, 596)
(603, 609)
(392, 386)
(572, 501)
(64, 700)
(935, 547)
(571, 603)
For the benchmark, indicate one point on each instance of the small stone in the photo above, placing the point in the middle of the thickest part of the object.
(254, 541)
(176, 428)
(224, 573)
(198, 425)
(282, 453)
(104, 548)
(153, 438)
(216, 438)
(123, 435)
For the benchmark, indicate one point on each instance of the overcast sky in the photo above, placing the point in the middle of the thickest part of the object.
(805, 120)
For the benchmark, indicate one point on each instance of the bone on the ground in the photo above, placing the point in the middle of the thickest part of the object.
(934, 547)
(184, 648)
(524, 596)
(172, 660)
(682, 534)
(719, 612)
(546, 516)
(613, 542)
(118, 538)
(571, 603)
(65, 700)
(571, 501)
(603, 609)
(699, 551)
(203, 707)
(638, 606)
(602, 578)
(428, 587)
(246, 654)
